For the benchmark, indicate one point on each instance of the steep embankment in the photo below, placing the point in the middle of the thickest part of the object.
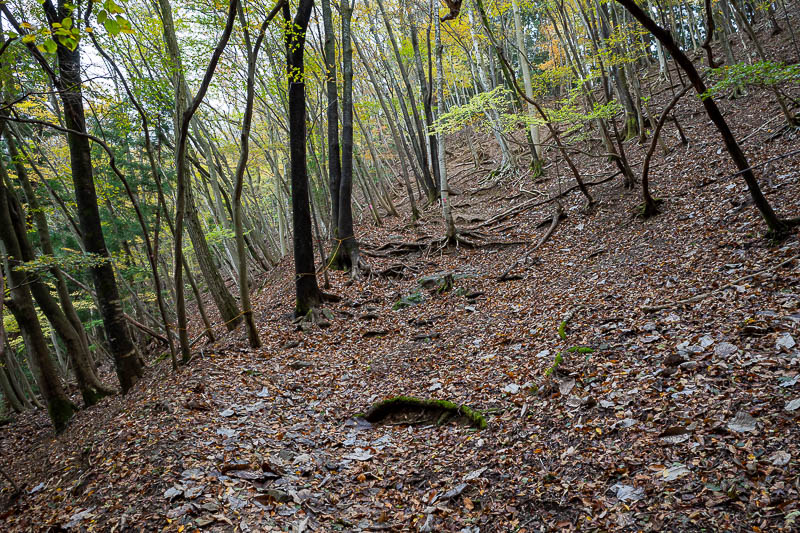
(678, 419)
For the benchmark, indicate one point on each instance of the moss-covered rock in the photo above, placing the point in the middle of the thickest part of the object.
(415, 410)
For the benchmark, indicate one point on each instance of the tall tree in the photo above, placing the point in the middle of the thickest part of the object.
(347, 250)
(188, 211)
(182, 135)
(58, 404)
(241, 167)
(332, 114)
(308, 295)
(68, 83)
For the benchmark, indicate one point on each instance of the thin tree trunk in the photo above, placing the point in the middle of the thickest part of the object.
(396, 136)
(444, 190)
(332, 113)
(59, 406)
(241, 251)
(347, 244)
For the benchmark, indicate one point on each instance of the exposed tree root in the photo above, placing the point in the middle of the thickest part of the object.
(410, 410)
(557, 216)
(468, 238)
(530, 204)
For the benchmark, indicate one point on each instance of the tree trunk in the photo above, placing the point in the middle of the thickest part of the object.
(536, 155)
(347, 244)
(307, 291)
(91, 388)
(244, 286)
(426, 95)
(450, 227)
(396, 136)
(332, 113)
(59, 406)
(128, 366)
(422, 154)
(222, 297)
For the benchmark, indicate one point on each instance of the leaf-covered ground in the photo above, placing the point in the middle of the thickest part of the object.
(681, 419)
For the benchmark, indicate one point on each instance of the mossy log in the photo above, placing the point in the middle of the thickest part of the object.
(434, 411)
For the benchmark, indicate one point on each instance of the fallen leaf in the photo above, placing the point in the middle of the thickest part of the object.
(742, 423)
(627, 492)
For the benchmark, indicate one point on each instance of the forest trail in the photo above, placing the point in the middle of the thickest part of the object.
(677, 420)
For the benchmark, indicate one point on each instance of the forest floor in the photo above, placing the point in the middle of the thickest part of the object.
(681, 419)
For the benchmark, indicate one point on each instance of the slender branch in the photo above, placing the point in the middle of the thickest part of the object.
(709, 35)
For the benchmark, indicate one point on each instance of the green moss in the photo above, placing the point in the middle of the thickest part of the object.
(440, 411)
(61, 411)
(408, 301)
(91, 396)
(537, 168)
(562, 330)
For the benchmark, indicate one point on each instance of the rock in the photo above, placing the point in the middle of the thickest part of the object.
(725, 350)
(706, 341)
(299, 364)
(785, 342)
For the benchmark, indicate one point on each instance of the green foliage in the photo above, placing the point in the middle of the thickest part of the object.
(759, 74)
(556, 361)
(474, 112)
(408, 301)
(568, 111)
(580, 349)
(218, 234)
(72, 261)
(562, 330)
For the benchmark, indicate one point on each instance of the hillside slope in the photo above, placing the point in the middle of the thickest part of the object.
(679, 419)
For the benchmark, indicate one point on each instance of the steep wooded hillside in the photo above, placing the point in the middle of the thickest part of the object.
(633, 374)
